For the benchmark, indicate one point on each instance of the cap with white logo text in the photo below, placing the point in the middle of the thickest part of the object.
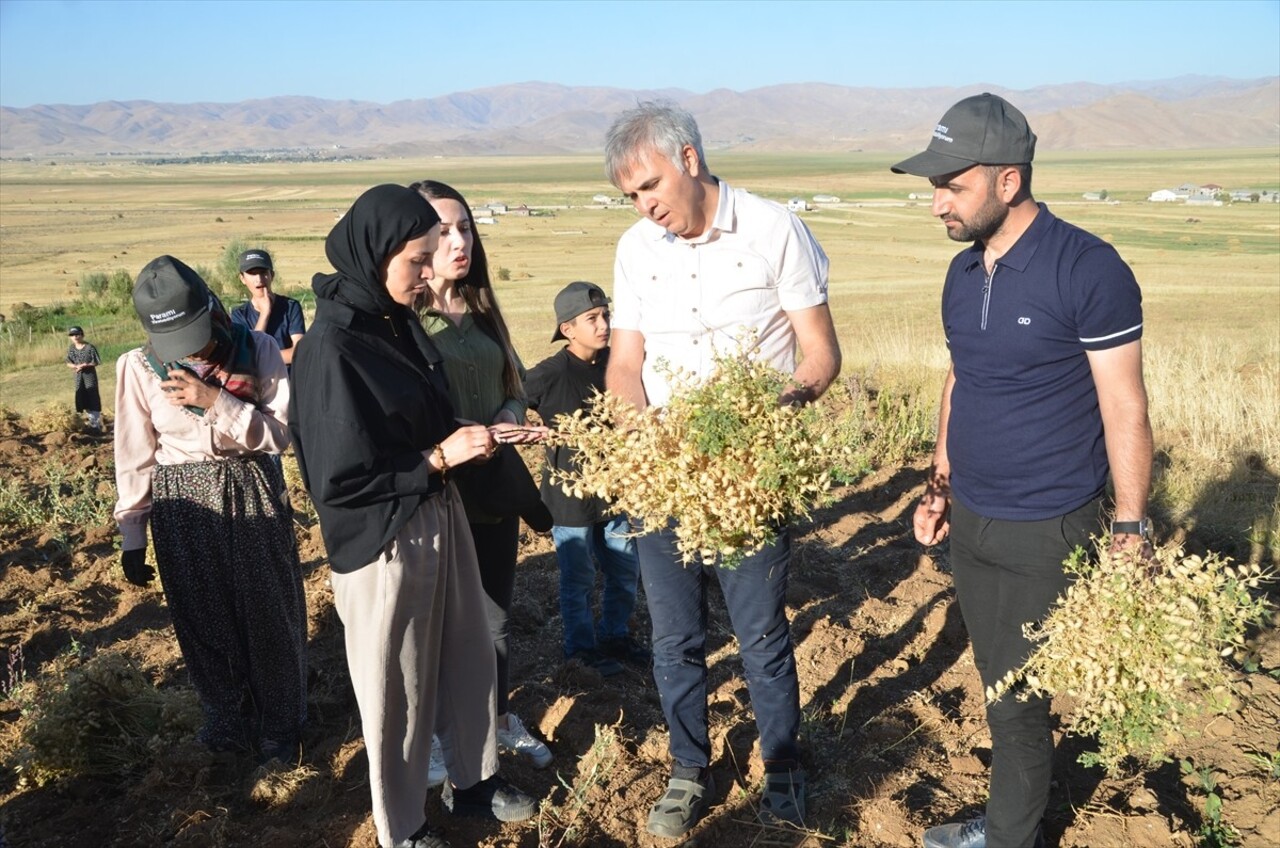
(256, 258)
(981, 130)
(173, 302)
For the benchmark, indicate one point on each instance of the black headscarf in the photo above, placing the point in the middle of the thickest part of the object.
(381, 219)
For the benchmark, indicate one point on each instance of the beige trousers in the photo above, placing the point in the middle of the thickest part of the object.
(421, 658)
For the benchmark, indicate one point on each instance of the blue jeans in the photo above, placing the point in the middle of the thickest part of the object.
(755, 594)
(613, 550)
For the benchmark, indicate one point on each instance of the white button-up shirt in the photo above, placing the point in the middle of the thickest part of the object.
(694, 298)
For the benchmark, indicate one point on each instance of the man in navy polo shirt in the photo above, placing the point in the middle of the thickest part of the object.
(1043, 400)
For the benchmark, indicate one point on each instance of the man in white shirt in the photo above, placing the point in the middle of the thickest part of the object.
(708, 265)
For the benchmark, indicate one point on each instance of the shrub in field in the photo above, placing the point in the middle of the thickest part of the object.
(104, 717)
(1141, 646)
(65, 498)
(53, 418)
(723, 457)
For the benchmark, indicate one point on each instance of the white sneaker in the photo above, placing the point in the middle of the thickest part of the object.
(437, 773)
(518, 740)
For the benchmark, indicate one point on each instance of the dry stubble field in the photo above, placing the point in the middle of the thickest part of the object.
(892, 711)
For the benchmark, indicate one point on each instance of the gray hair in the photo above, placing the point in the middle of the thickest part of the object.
(658, 125)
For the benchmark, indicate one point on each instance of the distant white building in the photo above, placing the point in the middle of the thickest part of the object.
(498, 208)
(825, 198)
(1092, 195)
(798, 204)
(1203, 200)
(602, 199)
(486, 219)
(1164, 195)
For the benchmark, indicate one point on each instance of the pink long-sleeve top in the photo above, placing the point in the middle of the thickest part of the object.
(150, 431)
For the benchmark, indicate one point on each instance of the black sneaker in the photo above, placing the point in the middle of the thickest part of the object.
(424, 837)
(489, 799)
(627, 649)
(606, 666)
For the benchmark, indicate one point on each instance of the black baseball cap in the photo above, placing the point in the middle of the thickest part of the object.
(173, 302)
(256, 258)
(981, 130)
(575, 299)
(75, 331)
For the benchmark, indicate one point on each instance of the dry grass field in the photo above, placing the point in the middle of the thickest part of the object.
(891, 700)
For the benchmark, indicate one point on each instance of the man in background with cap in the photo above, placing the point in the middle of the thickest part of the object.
(708, 266)
(585, 529)
(274, 314)
(1044, 397)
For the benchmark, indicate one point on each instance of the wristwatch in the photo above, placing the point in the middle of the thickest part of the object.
(1132, 528)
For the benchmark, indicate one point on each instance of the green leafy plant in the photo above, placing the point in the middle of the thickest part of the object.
(1214, 832)
(1140, 645)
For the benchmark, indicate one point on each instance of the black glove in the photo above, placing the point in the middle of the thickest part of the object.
(136, 570)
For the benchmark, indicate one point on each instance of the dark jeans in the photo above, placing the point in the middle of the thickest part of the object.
(496, 549)
(1008, 573)
(755, 595)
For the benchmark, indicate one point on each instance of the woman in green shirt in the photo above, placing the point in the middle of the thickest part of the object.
(484, 372)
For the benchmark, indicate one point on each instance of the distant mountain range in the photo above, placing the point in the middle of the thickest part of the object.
(538, 117)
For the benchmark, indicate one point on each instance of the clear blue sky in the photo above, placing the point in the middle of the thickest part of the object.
(85, 51)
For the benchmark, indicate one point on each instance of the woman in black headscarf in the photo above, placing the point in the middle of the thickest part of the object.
(376, 438)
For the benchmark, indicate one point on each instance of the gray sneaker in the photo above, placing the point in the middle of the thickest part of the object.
(519, 741)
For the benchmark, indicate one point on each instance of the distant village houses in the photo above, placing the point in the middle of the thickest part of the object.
(798, 204)
(1211, 194)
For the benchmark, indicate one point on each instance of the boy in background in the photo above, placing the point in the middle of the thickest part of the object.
(585, 530)
(278, 316)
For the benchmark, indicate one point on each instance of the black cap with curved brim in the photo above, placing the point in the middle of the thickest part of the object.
(75, 331)
(981, 130)
(173, 302)
(575, 299)
(256, 258)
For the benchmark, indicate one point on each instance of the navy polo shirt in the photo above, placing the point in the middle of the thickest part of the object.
(1024, 437)
(285, 322)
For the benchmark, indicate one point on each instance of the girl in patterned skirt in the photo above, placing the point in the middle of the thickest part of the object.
(200, 409)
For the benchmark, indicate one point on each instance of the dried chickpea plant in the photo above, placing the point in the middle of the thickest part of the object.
(1142, 647)
(723, 458)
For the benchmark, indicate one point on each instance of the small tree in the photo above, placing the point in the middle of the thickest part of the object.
(93, 284)
(1102, 195)
(120, 288)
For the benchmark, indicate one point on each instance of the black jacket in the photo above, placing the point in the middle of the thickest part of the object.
(369, 397)
(559, 386)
